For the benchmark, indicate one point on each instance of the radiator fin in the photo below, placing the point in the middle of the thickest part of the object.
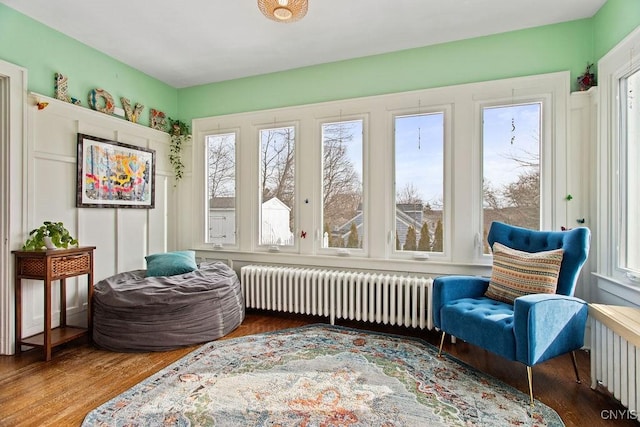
(385, 298)
(615, 363)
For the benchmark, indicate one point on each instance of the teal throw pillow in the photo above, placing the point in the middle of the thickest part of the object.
(171, 263)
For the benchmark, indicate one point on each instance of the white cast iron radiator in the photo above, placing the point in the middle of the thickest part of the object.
(615, 352)
(353, 295)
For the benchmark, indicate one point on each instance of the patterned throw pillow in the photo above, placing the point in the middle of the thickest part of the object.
(517, 273)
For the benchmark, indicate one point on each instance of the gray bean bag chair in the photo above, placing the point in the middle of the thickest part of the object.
(133, 312)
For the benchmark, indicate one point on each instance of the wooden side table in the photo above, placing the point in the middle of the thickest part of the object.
(50, 265)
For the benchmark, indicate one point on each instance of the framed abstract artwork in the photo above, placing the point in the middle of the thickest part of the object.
(114, 175)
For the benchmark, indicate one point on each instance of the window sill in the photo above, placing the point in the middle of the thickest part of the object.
(429, 267)
(626, 291)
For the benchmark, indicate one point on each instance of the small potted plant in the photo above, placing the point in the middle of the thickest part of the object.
(50, 235)
(587, 79)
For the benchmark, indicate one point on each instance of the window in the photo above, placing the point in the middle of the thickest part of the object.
(277, 186)
(629, 176)
(419, 182)
(342, 213)
(616, 178)
(511, 146)
(394, 180)
(221, 188)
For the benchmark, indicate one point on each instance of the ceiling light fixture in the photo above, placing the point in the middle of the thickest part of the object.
(283, 10)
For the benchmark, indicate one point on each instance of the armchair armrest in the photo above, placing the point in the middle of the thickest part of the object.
(449, 288)
(548, 325)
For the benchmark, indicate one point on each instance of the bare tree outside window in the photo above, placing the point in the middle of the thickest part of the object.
(511, 166)
(221, 165)
(409, 194)
(342, 184)
(419, 182)
(221, 188)
(277, 185)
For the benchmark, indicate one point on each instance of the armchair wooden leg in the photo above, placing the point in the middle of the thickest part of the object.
(575, 367)
(529, 379)
(441, 343)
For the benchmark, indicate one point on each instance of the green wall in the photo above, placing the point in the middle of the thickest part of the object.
(566, 46)
(44, 51)
(613, 22)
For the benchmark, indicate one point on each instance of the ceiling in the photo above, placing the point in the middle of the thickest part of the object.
(203, 41)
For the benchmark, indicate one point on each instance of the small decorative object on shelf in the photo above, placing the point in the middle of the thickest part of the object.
(132, 114)
(157, 119)
(101, 100)
(586, 80)
(179, 132)
(61, 88)
(50, 235)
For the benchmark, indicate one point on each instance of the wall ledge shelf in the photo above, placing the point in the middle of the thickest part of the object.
(35, 98)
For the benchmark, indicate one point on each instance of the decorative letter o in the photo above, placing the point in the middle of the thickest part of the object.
(97, 94)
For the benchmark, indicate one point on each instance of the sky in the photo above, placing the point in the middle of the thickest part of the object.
(511, 131)
(419, 155)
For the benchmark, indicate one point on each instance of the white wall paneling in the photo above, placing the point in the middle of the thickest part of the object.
(131, 234)
(580, 175)
(159, 217)
(123, 237)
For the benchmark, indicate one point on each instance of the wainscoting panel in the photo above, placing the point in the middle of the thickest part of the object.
(132, 238)
(581, 150)
(159, 217)
(54, 191)
(93, 226)
(50, 135)
(33, 306)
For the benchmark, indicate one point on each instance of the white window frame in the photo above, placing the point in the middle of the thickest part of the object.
(547, 175)
(236, 132)
(360, 252)
(462, 192)
(257, 224)
(553, 150)
(618, 63)
(428, 108)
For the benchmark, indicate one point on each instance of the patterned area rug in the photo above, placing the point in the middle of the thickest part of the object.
(320, 375)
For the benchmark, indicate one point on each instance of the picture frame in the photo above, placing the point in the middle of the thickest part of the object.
(113, 174)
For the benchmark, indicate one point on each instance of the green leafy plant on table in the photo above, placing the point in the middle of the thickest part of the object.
(56, 231)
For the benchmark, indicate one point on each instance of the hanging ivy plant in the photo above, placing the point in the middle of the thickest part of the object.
(179, 132)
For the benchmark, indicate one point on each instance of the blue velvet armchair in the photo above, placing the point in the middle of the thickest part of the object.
(536, 327)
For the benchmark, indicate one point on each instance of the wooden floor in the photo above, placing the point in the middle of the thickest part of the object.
(80, 377)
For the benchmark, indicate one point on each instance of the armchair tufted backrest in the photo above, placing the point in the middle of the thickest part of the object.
(575, 244)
